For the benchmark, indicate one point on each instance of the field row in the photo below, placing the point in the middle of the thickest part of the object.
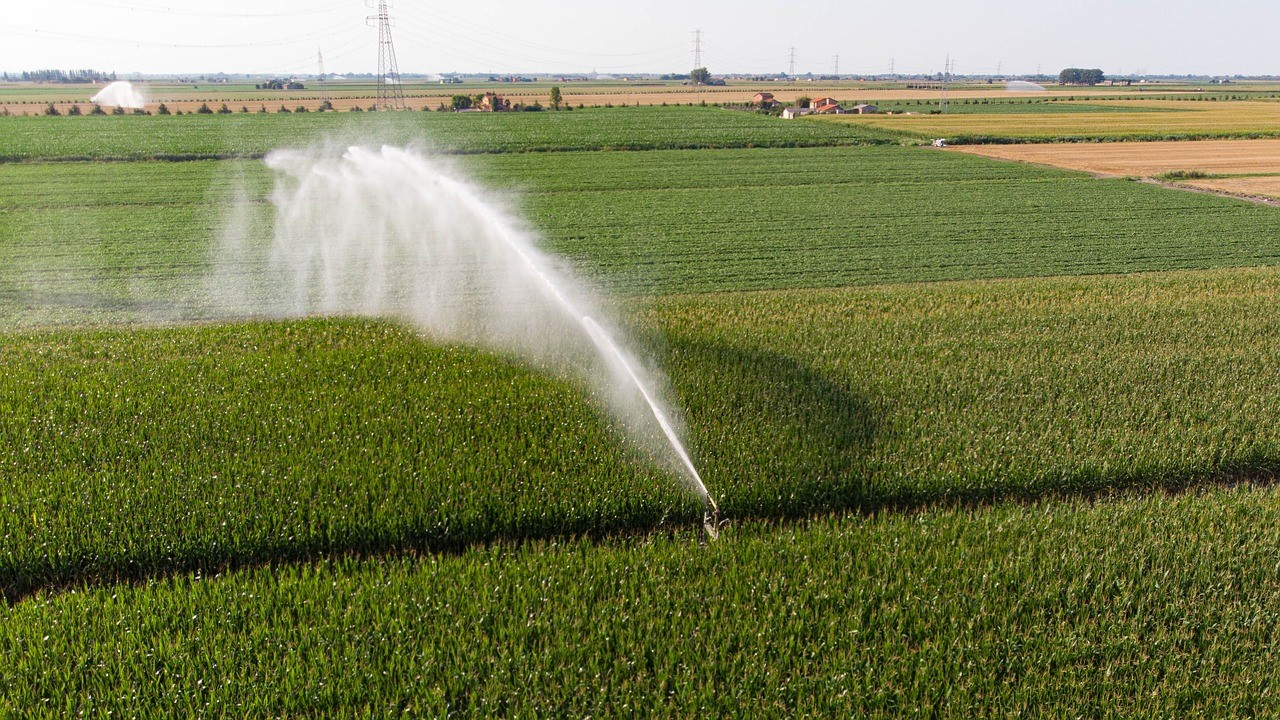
(136, 137)
(85, 242)
(328, 436)
(1155, 606)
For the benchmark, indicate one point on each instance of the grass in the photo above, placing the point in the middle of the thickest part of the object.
(1149, 606)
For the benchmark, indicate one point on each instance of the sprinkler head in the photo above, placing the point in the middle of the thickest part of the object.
(711, 522)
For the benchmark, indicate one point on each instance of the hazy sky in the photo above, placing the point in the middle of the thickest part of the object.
(282, 36)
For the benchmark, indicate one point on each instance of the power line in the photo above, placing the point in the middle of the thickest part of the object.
(166, 10)
(100, 40)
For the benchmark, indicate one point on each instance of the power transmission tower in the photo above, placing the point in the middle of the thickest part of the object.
(944, 102)
(324, 91)
(891, 71)
(835, 66)
(390, 92)
(697, 49)
(792, 66)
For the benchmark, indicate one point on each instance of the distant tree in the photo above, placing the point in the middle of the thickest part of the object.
(204, 109)
(75, 110)
(117, 110)
(244, 108)
(355, 108)
(700, 76)
(460, 102)
(556, 98)
(51, 110)
(283, 109)
(301, 108)
(224, 110)
(1080, 76)
(163, 110)
(262, 109)
(804, 101)
(97, 110)
(326, 105)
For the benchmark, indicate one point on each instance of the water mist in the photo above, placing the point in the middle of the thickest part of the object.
(120, 94)
(392, 232)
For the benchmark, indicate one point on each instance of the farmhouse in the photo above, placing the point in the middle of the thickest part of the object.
(865, 109)
(764, 99)
(789, 113)
(828, 107)
(491, 102)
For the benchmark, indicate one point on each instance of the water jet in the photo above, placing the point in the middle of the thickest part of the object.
(393, 232)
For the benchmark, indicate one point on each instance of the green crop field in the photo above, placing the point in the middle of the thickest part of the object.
(117, 240)
(253, 134)
(992, 438)
(1144, 606)
(1191, 118)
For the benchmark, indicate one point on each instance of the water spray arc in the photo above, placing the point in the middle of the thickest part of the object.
(611, 352)
(392, 232)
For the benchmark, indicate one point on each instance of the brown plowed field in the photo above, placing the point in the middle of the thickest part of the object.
(1226, 157)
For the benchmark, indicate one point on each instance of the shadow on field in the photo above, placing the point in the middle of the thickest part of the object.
(774, 436)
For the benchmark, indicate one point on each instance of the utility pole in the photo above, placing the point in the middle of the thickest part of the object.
(697, 49)
(792, 71)
(390, 91)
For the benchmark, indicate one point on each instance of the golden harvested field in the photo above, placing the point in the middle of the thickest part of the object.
(1217, 157)
(1268, 187)
(1181, 117)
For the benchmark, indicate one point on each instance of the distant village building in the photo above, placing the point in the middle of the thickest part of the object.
(764, 99)
(789, 113)
(865, 109)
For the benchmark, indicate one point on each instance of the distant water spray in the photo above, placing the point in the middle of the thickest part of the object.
(120, 94)
(1023, 86)
(390, 232)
